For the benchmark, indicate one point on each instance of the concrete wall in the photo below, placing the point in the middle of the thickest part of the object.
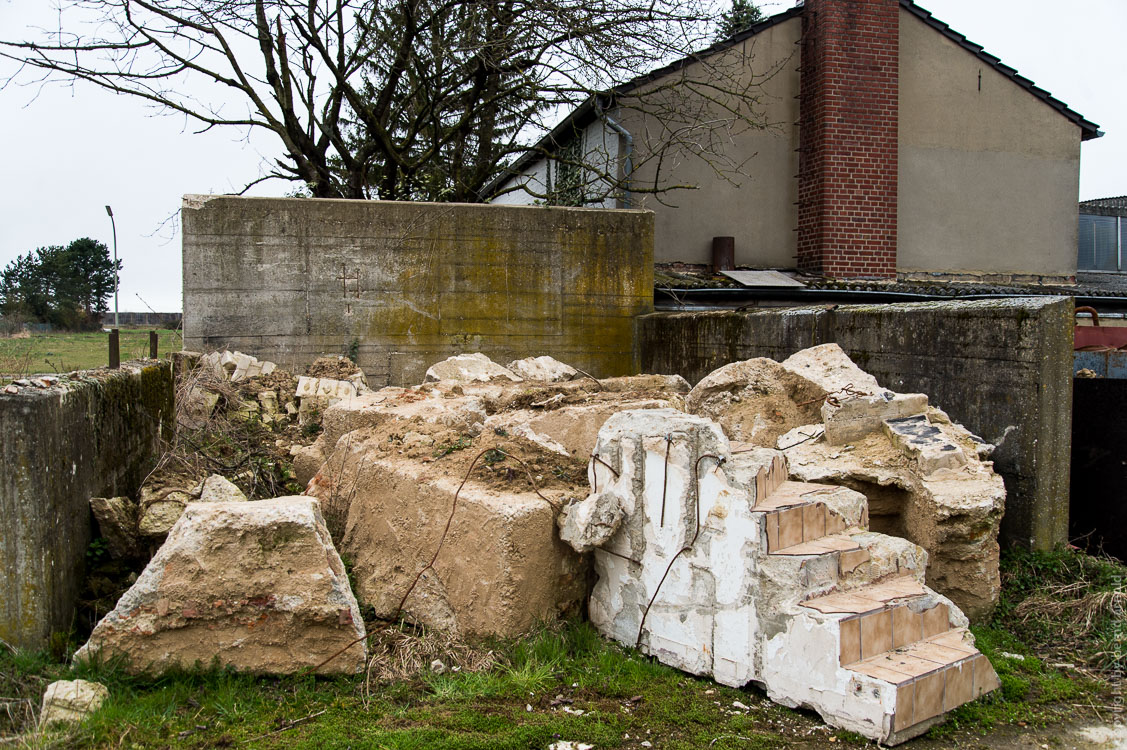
(1000, 367)
(412, 283)
(989, 174)
(60, 447)
(758, 209)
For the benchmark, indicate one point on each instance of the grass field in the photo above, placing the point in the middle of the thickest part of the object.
(65, 352)
(565, 682)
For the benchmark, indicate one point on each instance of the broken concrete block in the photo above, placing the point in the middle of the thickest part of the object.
(218, 489)
(590, 523)
(831, 368)
(117, 523)
(333, 389)
(545, 369)
(160, 509)
(953, 515)
(257, 587)
(756, 400)
(569, 430)
(197, 407)
(469, 368)
(924, 443)
(722, 568)
(71, 701)
(501, 567)
(849, 419)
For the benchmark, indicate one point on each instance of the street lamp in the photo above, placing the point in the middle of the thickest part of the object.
(109, 212)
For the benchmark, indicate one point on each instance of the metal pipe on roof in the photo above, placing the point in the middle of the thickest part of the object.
(628, 166)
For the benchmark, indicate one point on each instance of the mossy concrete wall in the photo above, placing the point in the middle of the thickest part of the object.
(1003, 368)
(96, 437)
(403, 285)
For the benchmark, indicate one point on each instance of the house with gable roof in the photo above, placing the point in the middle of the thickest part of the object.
(891, 147)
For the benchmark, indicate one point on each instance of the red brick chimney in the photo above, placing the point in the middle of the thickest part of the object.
(849, 104)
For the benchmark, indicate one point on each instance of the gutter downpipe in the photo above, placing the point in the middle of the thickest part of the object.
(628, 165)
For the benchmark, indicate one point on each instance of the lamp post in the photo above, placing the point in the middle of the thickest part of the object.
(109, 212)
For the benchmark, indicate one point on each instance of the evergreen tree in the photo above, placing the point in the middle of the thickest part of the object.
(741, 16)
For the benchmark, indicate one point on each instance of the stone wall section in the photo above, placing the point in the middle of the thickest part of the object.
(94, 436)
(1002, 368)
(402, 285)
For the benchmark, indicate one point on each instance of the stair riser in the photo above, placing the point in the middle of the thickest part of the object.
(876, 632)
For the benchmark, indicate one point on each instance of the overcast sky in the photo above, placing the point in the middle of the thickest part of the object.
(71, 150)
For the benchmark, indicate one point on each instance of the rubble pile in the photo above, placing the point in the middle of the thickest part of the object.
(445, 495)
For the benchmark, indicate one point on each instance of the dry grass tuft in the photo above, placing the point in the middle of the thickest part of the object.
(1069, 603)
(402, 652)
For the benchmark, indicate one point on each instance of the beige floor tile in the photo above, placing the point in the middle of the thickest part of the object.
(929, 696)
(813, 521)
(905, 707)
(936, 620)
(790, 527)
(960, 685)
(876, 633)
(907, 626)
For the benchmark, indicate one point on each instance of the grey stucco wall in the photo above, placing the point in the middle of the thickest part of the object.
(1003, 368)
(989, 173)
(412, 283)
(60, 447)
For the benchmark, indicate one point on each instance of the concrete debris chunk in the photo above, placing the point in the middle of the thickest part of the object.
(830, 367)
(723, 567)
(756, 400)
(590, 523)
(236, 366)
(117, 523)
(850, 418)
(334, 389)
(920, 440)
(545, 369)
(160, 509)
(469, 368)
(11, 389)
(258, 587)
(501, 567)
(218, 489)
(71, 701)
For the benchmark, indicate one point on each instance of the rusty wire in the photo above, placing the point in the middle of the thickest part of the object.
(688, 547)
(831, 397)
(595, 474)
(665, 477)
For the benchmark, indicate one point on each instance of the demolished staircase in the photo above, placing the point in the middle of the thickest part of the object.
(721, 567)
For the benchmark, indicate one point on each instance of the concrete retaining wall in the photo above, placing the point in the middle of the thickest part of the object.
(1001, 367)
(61, 447)
(406, 284)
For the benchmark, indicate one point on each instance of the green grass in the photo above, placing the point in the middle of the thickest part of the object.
(64, 352)
(619, 692)
(519, 702)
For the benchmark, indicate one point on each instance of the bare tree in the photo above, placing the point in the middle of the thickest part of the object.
(393, 99)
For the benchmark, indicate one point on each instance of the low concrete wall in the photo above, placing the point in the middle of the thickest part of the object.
(61, 447)
(407, 284)
(1003, 368)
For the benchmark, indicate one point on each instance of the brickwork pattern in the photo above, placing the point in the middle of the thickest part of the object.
(848, 144)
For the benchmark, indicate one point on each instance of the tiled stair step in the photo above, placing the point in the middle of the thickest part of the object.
(869, 635)
(868, 598)
(932, 676)
(849, 553)
(793, 516)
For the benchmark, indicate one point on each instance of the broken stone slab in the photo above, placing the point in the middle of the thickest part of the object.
(219, 489)
(197, 406)
(117, 523)
(756, 400)
(544, 369)
(160, 509)
(258, 587)
(333, 389)
(953, 515)
(853, 418)
(689, 577)
(917, 438)
(831, 368)
(501, 567)
(590, 523)
(469, 368)
(71, 701)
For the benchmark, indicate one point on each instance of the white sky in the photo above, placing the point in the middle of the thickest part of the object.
(71, 151)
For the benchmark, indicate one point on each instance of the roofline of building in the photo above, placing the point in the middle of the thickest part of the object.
(582, 115)
(1088, 129)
